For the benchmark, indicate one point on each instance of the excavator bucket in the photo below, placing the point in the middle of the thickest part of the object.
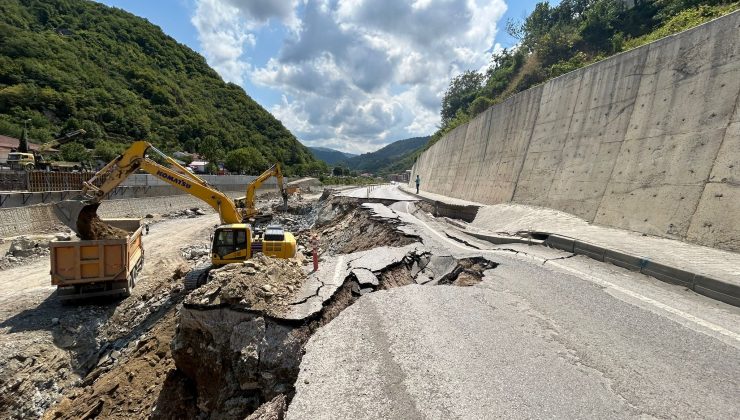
(76, 214)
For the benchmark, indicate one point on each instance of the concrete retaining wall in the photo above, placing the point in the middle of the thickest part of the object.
(648, 140)
(136, 186)
(40, 218)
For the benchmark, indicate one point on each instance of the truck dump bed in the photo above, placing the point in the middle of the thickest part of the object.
(89, 268)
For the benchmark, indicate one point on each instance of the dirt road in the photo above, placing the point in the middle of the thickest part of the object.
(162, 251)
(45, 347)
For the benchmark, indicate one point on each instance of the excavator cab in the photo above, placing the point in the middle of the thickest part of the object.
(237, 242)
(231, 243)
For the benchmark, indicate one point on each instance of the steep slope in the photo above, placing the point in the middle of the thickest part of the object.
(397, 156)
(330, 156)
(71, 64)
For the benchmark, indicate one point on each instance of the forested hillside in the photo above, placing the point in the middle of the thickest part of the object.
(330, 156)
(395, 157)
(69, 64)
(554, 40)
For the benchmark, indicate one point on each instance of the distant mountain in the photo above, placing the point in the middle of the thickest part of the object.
(330, 156)
(395, 157)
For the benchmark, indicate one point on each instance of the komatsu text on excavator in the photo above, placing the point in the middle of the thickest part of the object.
(233, 241)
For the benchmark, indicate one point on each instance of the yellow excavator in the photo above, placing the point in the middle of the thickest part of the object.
(233, 241)
(247, 202)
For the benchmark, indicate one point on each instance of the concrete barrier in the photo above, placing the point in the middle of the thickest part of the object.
(724, 291)
(648, 140)
(717, 289)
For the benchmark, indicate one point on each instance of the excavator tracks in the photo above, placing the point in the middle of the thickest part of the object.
(197, 277)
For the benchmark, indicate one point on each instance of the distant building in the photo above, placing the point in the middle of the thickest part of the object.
(199, 166)
(403, 177)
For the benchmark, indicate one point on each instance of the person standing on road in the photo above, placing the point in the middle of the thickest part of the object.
(418, 181)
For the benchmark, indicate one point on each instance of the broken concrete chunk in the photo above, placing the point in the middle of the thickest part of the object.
(365, 277)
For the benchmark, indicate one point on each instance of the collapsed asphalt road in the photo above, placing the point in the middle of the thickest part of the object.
(545, 334)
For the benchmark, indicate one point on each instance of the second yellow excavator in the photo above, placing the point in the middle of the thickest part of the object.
(247, 202)
(233, 241)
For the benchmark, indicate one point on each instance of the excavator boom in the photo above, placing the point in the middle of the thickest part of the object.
(275, 171)
(76, 213)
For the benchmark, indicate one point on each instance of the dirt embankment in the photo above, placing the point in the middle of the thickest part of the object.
(147, 384)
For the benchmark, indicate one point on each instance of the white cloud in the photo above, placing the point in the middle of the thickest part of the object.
(223, 35)
(354, 74)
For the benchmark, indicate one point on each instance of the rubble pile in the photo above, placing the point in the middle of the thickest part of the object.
(113, 354)
(300, 215)
(185, 214)
(344, 226)
(25, 249)
(140, 380)
(195, 252)
(261, 284)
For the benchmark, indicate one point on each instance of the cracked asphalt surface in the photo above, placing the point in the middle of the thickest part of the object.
(541, 336)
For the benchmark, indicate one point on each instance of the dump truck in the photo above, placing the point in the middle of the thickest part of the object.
(101, 267)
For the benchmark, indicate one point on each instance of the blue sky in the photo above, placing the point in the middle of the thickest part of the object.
(353, 75)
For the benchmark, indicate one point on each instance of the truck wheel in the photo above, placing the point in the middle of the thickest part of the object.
(29, 167)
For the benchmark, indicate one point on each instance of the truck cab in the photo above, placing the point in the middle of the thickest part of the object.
(21, 161)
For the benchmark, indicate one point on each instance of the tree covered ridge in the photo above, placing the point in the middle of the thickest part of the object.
(558, 39)
(72, 64)
(394, 157)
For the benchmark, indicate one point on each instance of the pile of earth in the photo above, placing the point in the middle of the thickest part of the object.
(121, 365)
(90, 227)
(262, 284)
(101, 230)
(24, 249)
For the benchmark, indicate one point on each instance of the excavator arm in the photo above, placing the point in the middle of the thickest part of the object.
(254, 185)
(72, 212)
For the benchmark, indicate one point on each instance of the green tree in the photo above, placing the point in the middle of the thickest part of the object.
(74, 152)
(246, 160)
(211, 149)
(23, 143)
(107, 151)
(462, 92)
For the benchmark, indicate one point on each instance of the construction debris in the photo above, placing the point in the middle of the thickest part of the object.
(261, 284)
(185, 213)
(25, 249)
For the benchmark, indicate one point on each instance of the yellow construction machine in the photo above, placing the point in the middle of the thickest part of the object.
(247, 202)
(233, 241)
